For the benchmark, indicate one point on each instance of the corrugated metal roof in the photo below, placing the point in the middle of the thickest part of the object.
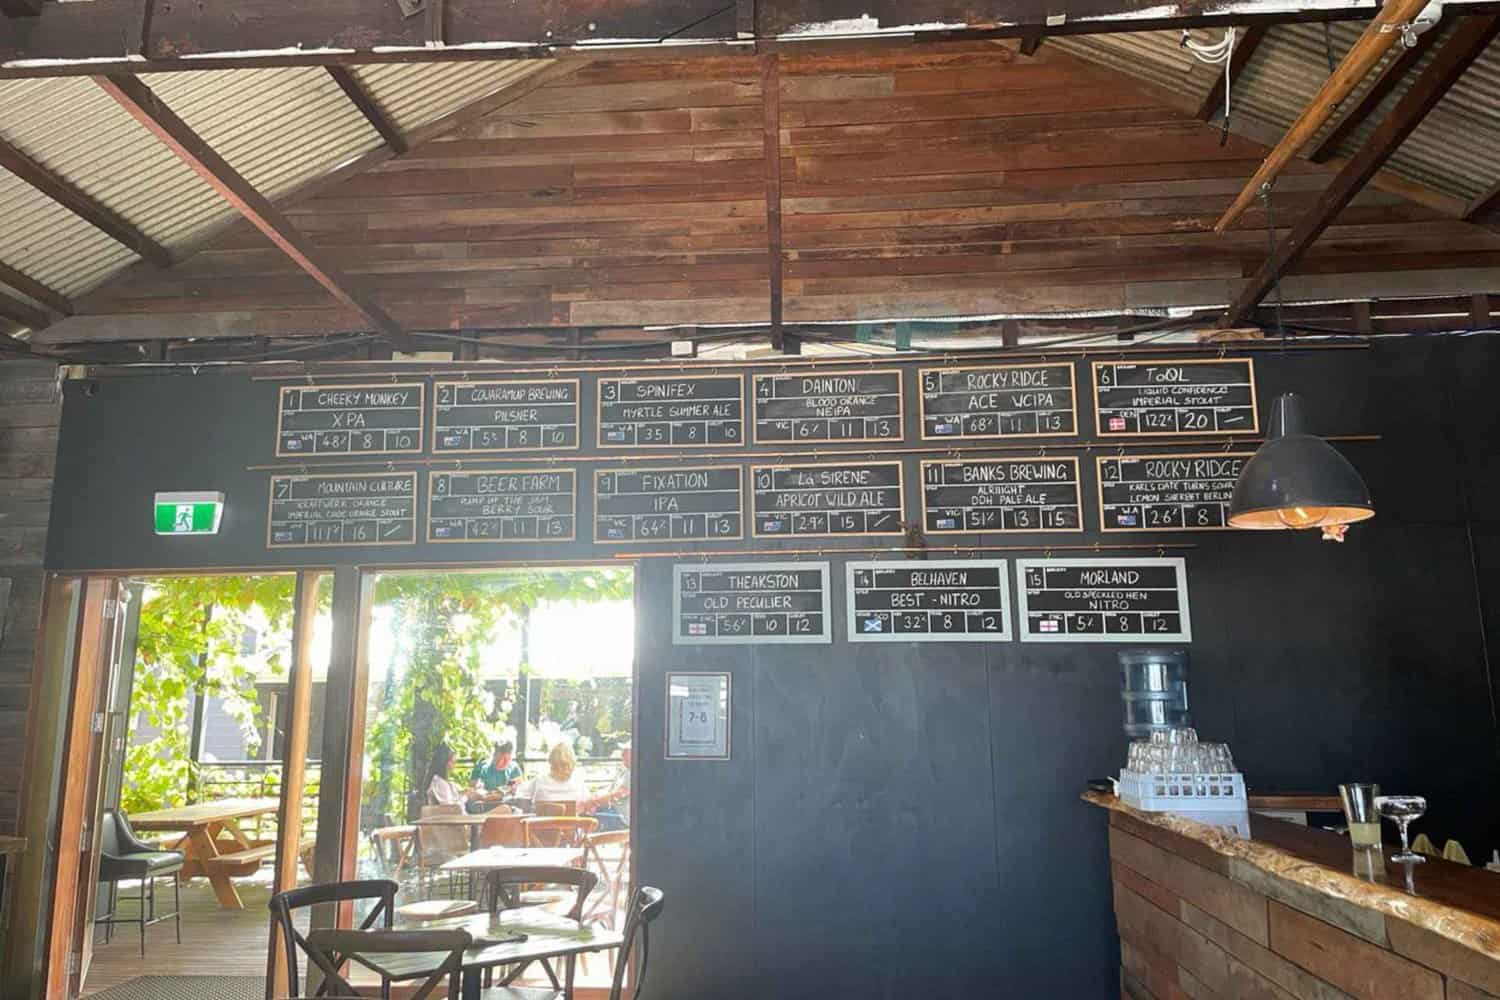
(1453, 151)
(280, 128)
(415, 94)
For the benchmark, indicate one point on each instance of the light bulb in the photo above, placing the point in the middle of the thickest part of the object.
(1302, 517)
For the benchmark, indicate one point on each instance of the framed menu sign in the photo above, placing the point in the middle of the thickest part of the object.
(680, 503)
(509, 416)
(346, 508)
(837, 406)
(1168, 492)
(671, 411)
(697, 716)
(383, 418)
(999, 401)
(930, 600)
(1175, 397)
(1103, 600)
(510, 505)
(730, 603)
(1001, 494)
(847, 498)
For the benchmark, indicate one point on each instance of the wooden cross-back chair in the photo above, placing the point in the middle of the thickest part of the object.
(509, 884)
(381, 891)
(557, 831)
(645, 907)
(555, 808)
(614, 874)
(328, 948)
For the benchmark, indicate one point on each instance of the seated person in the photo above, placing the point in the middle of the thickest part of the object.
(441, 790)
(612, 809)
(495, 779)
(562, 782)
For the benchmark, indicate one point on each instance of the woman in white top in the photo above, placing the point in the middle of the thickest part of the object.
(562, 782)
(440, 790)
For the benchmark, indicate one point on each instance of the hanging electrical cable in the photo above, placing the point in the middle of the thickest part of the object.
(1213, 54)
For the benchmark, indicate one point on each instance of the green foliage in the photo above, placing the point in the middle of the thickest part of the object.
(434, 692)
(189, 643)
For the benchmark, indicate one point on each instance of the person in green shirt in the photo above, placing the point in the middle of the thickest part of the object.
(495, 778)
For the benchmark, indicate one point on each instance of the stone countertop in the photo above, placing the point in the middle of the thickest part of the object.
(12, 845)
(1453, 901)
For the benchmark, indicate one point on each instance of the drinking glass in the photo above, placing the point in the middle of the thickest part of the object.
(1359, 812)
(1402, 809)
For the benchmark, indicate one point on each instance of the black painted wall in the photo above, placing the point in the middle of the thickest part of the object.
(903, 820)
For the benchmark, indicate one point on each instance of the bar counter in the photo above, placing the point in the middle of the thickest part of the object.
(1202, 912)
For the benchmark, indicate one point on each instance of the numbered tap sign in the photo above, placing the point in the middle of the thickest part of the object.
(999, 401)
(863, 498)
(376, 419)
(929, 600)
(672, 411)
(734, 603)
(509, 416)
(679, 503)
(1001, 495)
(355, 508)
(1103, 600)
(511, 505)
(1175, 397)
(1168, 492)
(816, 407)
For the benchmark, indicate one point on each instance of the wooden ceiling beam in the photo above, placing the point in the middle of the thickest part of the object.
(1466, 43)
(1487, 203)
(369, 107)
(1244, 51)
(21, 8)
(27, 285)
(145, 107)
(27, 315)
(1392, 75)
(1362, 57)
(95, 213)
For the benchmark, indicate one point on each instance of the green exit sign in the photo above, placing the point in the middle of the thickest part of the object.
(191, 513)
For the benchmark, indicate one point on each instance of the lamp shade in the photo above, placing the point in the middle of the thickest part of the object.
(1297, 480)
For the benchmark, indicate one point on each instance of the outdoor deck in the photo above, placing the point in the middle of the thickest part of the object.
(218, 941)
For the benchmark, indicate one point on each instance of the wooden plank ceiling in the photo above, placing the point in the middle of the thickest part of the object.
(965, 180)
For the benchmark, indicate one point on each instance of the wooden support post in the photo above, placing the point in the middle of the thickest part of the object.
(145, 107)
(1031, 41)
(293, 769)
(369, 107)
(770, 93)
(1244, 51)
(24, 313)
(1380, 35)
(1378, 92)
(1479, 310)
(1486, 204)
(88, 209)
(1467, 42)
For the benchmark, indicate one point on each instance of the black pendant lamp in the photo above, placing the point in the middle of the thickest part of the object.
(1297, 480)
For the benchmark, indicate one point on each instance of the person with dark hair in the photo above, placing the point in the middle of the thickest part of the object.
(441, 790)
(494, 779)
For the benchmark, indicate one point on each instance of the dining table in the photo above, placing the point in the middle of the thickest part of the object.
(492, 862)
(515, 937)
(214, 843)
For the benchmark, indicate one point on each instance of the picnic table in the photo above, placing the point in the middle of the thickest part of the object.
(213, 843)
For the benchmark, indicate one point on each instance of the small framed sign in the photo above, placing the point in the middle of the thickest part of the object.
(697, 716)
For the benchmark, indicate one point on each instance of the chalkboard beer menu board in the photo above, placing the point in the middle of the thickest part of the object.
(511, 505)
(1103, 600)
(379, 419)
(508, 416)
(999, 401)
(680, 503)
(943, 600)
(750, 602)
(671, 411)
(1175, 397)
(1001, 494)
(847, 498)
(837, 406)
(347, 508)
(1168, 492)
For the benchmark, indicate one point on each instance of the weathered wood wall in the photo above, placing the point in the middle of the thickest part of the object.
(921, 182)
(30, 408)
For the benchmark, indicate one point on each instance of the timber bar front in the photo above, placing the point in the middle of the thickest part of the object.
(1292, 912)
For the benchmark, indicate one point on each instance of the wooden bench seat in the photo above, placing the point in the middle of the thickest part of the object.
(248, 860)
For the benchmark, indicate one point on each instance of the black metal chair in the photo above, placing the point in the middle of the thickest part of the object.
(329, 949)
(508, 887)
(645, 907)
(122, 855)
(382, 891)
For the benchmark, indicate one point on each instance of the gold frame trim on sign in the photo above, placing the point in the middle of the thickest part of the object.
(922, 403)
(900, 438)
(1100, 433)
(900, 495)
(271, 502)
(601, 445)
(437, 389)
(615, 470)
(421, 416)
(1099, 461)
(1077, 483)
